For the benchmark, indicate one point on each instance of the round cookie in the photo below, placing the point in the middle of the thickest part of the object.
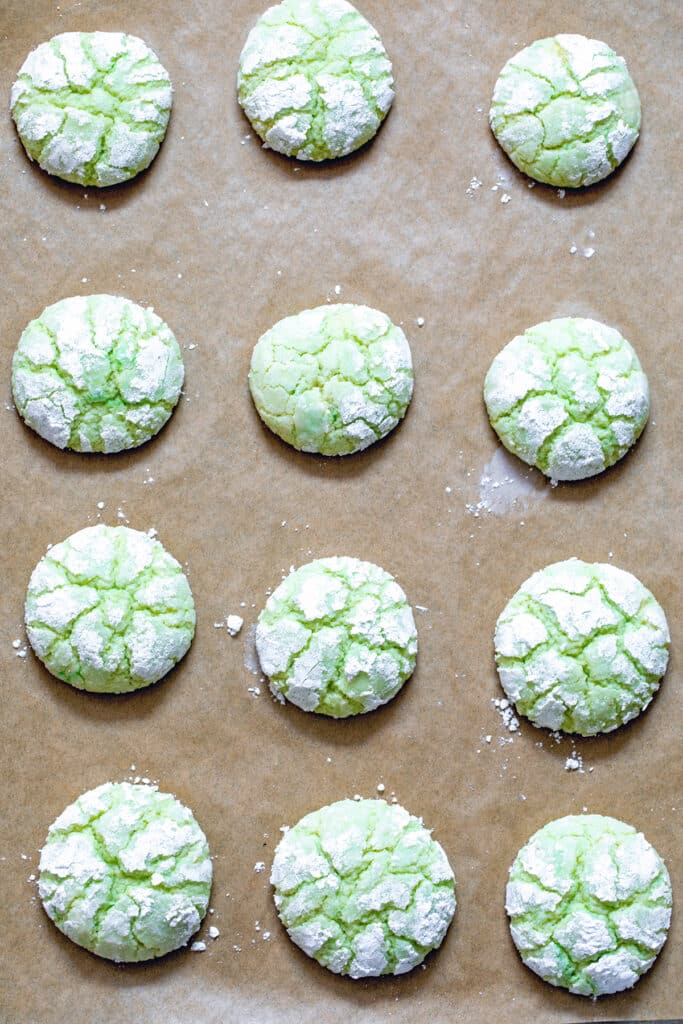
(568, 396)
(566, 111)
(337, 637)
(333, 379)
(92, 107)
(109, 610)
(126, 873)
(314, 79)
(589, 902)
(362, 888)
(581, 647)
(97, 374)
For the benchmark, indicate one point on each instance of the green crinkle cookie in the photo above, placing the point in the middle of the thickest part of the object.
(581, 647)
(314, 79)
(337, 637)
(109, 610)
(97, 374)
(126, 873)
(568, 396)
(333, 379)
(589, 902)
(92, 107)
(566, 111)
(362, 888)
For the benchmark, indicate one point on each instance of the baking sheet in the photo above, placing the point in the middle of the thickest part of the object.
(224, 238)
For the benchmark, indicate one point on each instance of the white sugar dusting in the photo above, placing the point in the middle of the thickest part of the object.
(507, 485)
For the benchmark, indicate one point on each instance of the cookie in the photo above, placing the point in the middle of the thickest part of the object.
(581, 648)
(568, 396)
(566, 111)
(589, 902)
(126, 873)
(97, 374)
(109, 610)
(332, 380)
(362, 888)
(314, 79)
(337, 637)
(92, 107)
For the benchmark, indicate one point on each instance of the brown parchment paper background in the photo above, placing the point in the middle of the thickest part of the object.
(224, 238)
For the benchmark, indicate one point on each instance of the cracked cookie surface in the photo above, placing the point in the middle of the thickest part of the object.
(362, 888)
(568, 396)
(97, 373)
(337, 637)
(589, 902)
(581, 647)
(314, 79)
(333, 379)
(109, 610)
(125, 872)
(566, 111)
(92, 107)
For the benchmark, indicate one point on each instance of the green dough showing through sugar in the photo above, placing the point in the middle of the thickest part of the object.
(314, 79)
(126, 873)
(337, 637)
(97, 374)
(566, 111)
(589, 902)
(333, 379)
(92, 107)
(109, 610)
(362, 888)
(581, 647)
(568, 396)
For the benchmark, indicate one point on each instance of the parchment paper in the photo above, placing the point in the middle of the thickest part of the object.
(224, 238)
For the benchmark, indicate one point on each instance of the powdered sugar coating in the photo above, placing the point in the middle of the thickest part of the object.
(362, 888)
(581, 647)
(92, 107)
(337, 637)
(126, 873)
(566, 111)
(333, 379)
(314, 79)
(97, 374)
(109, 610)
(589, 902)
(568, 396)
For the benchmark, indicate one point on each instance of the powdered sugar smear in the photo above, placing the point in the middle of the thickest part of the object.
(507, 485)
(251, 662)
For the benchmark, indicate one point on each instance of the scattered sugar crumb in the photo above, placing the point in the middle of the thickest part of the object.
(588, 251)
(488, 738)
(420, 321)
(561, 193)
(505, 198)
(260, 866)
(213, 932)
(507, 714)
(234, 624)
(337, 289)
(198, 947)
(474, 186)
(16, 644)
(265, 936)
(101, 504)
(573, 249)
(574, 763)
(380, 787)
